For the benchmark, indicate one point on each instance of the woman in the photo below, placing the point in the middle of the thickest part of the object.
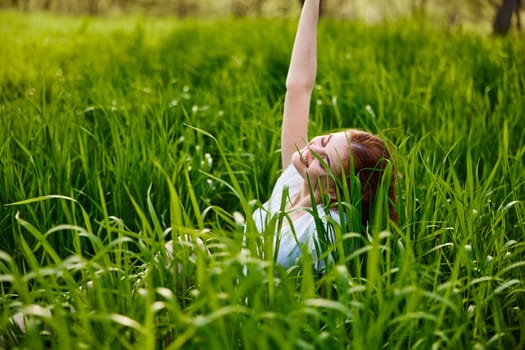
(311, 170)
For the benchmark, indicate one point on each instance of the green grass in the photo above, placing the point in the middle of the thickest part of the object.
(119, 134)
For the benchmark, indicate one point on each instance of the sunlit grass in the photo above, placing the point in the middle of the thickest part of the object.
(119, 135)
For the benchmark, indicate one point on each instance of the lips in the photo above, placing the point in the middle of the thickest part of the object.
(305, 157)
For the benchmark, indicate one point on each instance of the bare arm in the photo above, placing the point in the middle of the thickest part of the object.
(300, 82)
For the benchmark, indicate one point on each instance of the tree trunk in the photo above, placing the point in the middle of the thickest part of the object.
(20, 5)
(93, 7)
(182, 9)
(259, 7)
(239, 8)
(47, 5)
(503, 18)
(518, 17)
(419, 7)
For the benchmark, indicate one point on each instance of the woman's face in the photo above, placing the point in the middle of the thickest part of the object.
(332, 149)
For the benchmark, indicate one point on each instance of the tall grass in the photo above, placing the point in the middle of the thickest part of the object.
(118, 135)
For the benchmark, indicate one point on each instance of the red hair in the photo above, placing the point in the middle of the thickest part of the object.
(370, 159)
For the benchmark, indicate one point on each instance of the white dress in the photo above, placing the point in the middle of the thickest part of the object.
(302, 233)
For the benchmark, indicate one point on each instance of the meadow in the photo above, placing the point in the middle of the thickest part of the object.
(118, 134)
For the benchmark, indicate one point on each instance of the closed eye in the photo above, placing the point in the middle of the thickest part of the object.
(325, 139)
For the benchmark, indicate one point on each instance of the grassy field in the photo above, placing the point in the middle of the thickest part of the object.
(120, 134)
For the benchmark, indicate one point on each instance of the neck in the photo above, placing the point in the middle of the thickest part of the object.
(303, 199)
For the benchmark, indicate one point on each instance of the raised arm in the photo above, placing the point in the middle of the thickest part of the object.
(299, 83)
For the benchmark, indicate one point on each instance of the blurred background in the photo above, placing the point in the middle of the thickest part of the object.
(496, 15)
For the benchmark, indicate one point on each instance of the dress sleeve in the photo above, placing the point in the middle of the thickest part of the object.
(289, 178)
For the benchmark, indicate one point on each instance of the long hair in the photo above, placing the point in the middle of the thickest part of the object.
(370, 159)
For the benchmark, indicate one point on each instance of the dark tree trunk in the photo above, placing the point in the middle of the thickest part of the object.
(93, 7)
(239, 8)
(182, 9)
(47, 5)
(503, 18)
(20, 5)
(518, 17)
(259, 6)
(419, 7)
